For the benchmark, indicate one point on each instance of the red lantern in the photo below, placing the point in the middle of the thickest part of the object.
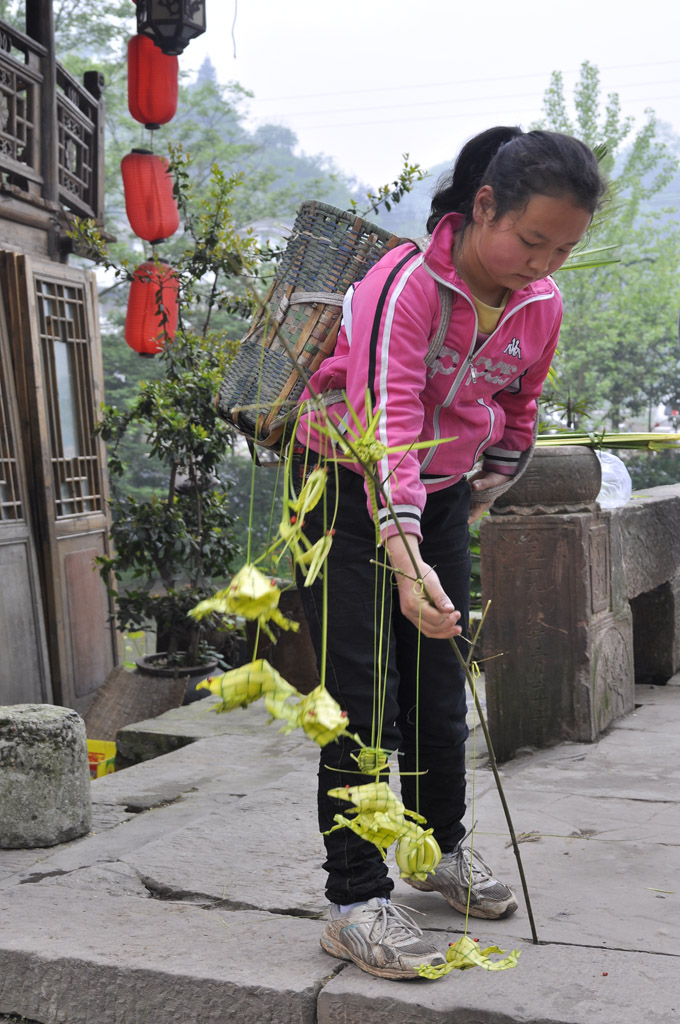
(152, 83)
(149, 202)
(151, 319)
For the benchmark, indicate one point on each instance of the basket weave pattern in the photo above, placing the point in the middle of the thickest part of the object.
(328, 250)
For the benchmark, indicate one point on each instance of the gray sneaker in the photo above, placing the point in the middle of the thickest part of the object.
(381, 938)
(463, 875)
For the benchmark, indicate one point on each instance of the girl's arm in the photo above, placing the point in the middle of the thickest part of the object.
(521, 405)
(480, 482)
(521, 413)
(438, 621)
(389, 330)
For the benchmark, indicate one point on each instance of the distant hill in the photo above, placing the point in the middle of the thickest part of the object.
(408, 217)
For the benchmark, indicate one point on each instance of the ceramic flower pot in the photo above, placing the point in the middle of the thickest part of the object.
(157, 665)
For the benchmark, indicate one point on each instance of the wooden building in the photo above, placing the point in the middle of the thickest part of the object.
(57, 642)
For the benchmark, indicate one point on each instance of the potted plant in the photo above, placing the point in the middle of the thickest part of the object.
(171, 549)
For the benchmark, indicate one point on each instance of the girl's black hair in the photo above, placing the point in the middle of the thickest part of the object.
(519, 165)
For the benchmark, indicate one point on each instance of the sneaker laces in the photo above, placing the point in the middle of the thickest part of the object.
(471, 868)
(394, 922)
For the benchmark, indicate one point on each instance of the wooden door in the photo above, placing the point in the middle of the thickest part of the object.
(24, 666)
(55, 330)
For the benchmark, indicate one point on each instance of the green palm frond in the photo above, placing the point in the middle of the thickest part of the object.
(585, 259)
(645, 442)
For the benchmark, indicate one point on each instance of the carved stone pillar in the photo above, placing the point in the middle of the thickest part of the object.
(559, 621)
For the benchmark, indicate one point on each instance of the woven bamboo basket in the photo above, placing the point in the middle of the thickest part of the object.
(328, 250)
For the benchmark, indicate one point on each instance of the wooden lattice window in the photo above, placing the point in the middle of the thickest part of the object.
(69, 390)
(10, 503)
(17, 131)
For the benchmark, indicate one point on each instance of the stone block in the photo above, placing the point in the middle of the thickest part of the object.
(558, 640)
(649, 538)
(44, 776)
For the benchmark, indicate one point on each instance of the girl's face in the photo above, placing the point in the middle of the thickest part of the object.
(523, 245)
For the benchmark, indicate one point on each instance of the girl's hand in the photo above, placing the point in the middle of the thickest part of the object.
(438, 621)
(479, 481)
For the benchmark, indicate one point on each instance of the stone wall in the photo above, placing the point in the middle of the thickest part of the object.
(584, 602)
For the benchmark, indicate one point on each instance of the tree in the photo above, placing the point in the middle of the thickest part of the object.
(78, 29)
(618, 354)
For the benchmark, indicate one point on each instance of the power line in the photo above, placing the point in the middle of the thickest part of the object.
(460, 81)
(439, 117)
(445, 100)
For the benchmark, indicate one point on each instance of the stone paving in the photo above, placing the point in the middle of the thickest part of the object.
(197, 896)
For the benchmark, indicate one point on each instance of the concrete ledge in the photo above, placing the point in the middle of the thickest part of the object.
(120, 960)
(645, 533)
(551, 985)
(153, 737)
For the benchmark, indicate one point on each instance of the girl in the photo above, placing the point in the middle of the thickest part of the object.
(508, 217)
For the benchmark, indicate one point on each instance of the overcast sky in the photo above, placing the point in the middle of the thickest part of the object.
(364, 81)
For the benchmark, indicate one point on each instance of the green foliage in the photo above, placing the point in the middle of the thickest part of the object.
(618, 353)
(652, 469)
(257, 502)
(76, 30)
(173, 545)
(394, 191)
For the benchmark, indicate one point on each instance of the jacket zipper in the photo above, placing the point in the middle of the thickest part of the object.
(467, 363)
(492, 424)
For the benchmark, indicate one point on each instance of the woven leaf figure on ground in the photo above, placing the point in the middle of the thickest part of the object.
(465, 953)
(250, 594)
(381, 818)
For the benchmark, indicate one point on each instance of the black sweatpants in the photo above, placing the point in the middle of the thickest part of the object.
(372, 651)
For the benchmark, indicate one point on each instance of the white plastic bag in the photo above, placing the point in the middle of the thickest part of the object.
(617, 486)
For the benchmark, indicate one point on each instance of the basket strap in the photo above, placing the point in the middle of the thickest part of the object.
(325, 398)
(301, 298)
(437, 339)
(433, 350)
(330, 298)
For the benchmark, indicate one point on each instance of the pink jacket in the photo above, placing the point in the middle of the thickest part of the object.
(485, 400)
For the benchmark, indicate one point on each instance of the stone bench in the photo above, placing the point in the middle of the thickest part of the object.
(44, 776)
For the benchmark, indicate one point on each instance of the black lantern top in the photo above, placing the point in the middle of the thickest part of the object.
(172, 24)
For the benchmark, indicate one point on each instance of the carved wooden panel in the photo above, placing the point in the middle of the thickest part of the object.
(24, 676)
(11, 506)
(24, 669)
(51, 134)
(57, 352)
(88, 611)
